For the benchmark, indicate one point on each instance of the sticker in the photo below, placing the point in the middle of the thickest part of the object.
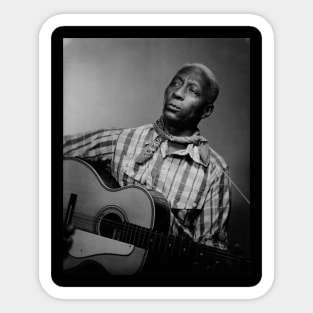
(101, 73)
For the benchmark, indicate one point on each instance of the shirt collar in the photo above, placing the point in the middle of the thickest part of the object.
(192, 149)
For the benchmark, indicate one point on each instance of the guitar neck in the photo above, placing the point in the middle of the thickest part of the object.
(169, 246)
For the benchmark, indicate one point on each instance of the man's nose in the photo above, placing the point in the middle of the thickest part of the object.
(179, 93)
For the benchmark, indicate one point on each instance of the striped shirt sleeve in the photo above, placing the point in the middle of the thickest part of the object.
(212, 223)
(96, 145)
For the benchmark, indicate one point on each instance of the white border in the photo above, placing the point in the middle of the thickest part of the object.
(45, 156)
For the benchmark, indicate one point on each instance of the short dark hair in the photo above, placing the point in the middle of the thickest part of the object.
(213, 88)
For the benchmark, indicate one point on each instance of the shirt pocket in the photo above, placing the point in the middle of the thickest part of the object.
(134, 172)
(192, 200)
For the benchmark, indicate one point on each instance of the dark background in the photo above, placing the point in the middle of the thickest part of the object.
(116, 82)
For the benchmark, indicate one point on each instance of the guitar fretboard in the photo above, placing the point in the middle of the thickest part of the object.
(167, 245)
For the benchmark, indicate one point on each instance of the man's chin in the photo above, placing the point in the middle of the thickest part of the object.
(170, 116)
(171, 119)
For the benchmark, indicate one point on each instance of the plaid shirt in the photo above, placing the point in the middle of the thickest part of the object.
(198, 193)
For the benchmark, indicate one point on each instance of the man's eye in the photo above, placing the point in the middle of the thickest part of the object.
(194, 91)
(175, 83)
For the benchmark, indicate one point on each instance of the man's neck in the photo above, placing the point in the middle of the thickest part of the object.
(175, 131)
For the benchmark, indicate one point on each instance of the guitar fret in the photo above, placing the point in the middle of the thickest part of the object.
(195, 259)
(129, 233)
(180, 247)
(144, 238)
(135, 236)
(201, 256)
(160, 242)
(122, 232)
(165, 246)
(188, 250)
(126, 232)
(135, 231)
(142, 234)
(174, 247)
(147, 238)
(171, 246)
(139, 232)
(191, 252)
(153, 240)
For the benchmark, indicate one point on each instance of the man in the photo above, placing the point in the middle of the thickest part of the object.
(172, 158)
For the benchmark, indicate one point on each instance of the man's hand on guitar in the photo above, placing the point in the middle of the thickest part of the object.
(68, 231)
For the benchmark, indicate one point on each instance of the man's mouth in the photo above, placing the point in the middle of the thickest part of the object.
(173, 107)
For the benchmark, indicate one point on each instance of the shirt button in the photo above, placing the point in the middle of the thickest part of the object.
(194, 204)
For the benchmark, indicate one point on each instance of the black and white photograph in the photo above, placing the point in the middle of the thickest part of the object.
(160, 172)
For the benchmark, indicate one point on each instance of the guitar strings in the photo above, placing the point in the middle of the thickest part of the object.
(233, 183)
(114, 225)
(133, 229)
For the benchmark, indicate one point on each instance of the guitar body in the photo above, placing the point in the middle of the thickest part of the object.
(93, 208)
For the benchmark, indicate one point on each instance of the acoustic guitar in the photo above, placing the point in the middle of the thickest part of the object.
(122, 228)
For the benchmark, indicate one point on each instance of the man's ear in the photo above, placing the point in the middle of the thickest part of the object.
(207, 111)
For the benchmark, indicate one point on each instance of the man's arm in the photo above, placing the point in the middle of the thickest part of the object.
(95, 146)
(212, 223)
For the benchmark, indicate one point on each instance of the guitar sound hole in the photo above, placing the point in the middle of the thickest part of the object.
(111, 226)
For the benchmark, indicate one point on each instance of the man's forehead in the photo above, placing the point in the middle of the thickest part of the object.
(194, 74)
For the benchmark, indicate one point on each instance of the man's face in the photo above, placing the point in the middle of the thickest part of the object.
(185, 98)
